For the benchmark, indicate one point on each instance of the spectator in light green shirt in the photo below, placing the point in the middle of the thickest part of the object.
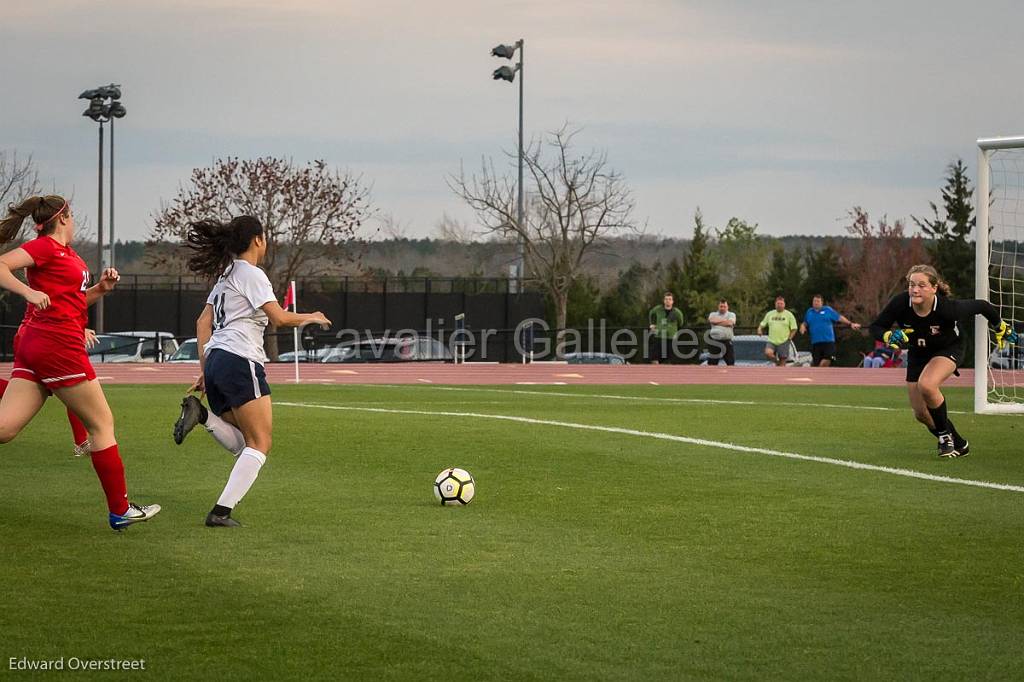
(782, 327)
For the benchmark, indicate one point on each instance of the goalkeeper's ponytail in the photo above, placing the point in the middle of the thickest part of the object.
(933, 277)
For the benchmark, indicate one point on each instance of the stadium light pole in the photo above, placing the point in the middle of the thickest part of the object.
(103, 107)
(117, 110)
(508, 73)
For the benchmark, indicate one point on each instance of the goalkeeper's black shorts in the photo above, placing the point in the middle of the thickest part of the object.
(916, 362)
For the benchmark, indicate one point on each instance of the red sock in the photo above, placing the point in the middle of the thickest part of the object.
(78, 431)
(110, 469)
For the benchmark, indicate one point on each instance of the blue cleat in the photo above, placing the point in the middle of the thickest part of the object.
(135, 514)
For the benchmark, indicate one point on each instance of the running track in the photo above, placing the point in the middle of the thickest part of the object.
(538, 373)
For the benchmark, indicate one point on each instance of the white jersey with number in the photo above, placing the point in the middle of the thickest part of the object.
(238, 318)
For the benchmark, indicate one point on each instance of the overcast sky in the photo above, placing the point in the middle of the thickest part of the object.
(783, 113)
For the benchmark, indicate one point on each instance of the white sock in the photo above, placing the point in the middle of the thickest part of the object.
(224, 433)
(243, 475)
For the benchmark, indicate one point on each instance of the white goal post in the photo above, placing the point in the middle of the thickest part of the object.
(999, 272)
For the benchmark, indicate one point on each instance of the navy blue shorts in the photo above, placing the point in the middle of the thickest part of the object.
(232, 381)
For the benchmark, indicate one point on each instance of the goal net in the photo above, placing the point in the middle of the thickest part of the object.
(999, 272)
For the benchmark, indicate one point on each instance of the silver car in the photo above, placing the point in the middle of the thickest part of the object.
(749, 352)
(133, 347)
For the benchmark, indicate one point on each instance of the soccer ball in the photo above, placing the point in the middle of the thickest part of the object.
(454, 487)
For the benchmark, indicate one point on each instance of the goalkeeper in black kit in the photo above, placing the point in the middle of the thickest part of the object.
(930, 324)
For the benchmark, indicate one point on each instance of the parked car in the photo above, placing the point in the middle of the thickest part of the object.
(390, 350)
(749, 351)
(305, 356)
(133, 347)
(1009, 357)
(188, 351)
(594, 359)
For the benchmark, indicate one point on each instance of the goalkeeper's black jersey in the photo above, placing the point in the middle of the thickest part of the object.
(941, 328)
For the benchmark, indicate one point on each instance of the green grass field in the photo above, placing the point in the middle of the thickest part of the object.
(585, 555)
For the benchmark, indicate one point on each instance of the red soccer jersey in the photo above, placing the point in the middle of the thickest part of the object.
(60, 273)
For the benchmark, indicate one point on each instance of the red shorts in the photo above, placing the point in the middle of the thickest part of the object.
(51, 358)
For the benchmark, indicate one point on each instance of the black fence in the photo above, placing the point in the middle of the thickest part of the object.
(539, 342)
(534, 341)
(373, 307)
(381, 307)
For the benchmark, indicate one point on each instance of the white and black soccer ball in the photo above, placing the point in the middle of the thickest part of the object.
(454, 487)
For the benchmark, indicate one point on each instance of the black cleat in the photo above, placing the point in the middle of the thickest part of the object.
(217, 521)
(192, 413)
(962, 449)
(946, 446)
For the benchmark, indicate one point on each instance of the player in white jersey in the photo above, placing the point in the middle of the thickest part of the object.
(230, 338)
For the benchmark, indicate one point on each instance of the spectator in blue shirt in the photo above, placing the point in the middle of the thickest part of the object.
(819, 319)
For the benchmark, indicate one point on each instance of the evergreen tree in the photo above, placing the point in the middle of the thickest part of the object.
(696, 283)
(744, 257)
(785, 278)
(951, 252)
(824, 274)
(628, 302)
(584, 303)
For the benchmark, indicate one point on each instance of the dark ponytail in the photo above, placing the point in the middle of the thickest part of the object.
(42, 210)
(215, 244)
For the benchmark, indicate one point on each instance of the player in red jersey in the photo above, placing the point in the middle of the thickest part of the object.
(79, 434)
(50, 353)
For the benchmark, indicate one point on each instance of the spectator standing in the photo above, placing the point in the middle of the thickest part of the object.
(781, 327)
(723, 323)
(665, 321)
(819, 319)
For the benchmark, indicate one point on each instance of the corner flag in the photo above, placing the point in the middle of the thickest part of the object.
(289, 297)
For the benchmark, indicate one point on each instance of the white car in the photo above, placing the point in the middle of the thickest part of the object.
(133, 347)
(1008, 357)
(389, 350)
(188, 351)
(749, 352)
(306, 356)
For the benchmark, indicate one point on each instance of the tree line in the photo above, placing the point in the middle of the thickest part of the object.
(857, 276)
(319, 219)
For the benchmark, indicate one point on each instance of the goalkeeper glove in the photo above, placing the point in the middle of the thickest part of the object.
(897, 338)
(1005, 335)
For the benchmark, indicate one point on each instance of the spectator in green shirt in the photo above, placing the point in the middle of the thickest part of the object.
(781, 325)
(665, 321)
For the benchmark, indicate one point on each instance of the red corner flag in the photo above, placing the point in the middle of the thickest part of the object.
(289, 297)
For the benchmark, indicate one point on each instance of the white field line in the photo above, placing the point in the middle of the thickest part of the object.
(908, 473)
(691, 401)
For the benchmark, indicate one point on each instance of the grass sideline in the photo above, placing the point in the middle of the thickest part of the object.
(584, 556)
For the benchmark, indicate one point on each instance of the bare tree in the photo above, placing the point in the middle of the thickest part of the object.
(451, 229)
(391, 227)
(576, 203)
(313, 217)
(18, 179)
(875, 272)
